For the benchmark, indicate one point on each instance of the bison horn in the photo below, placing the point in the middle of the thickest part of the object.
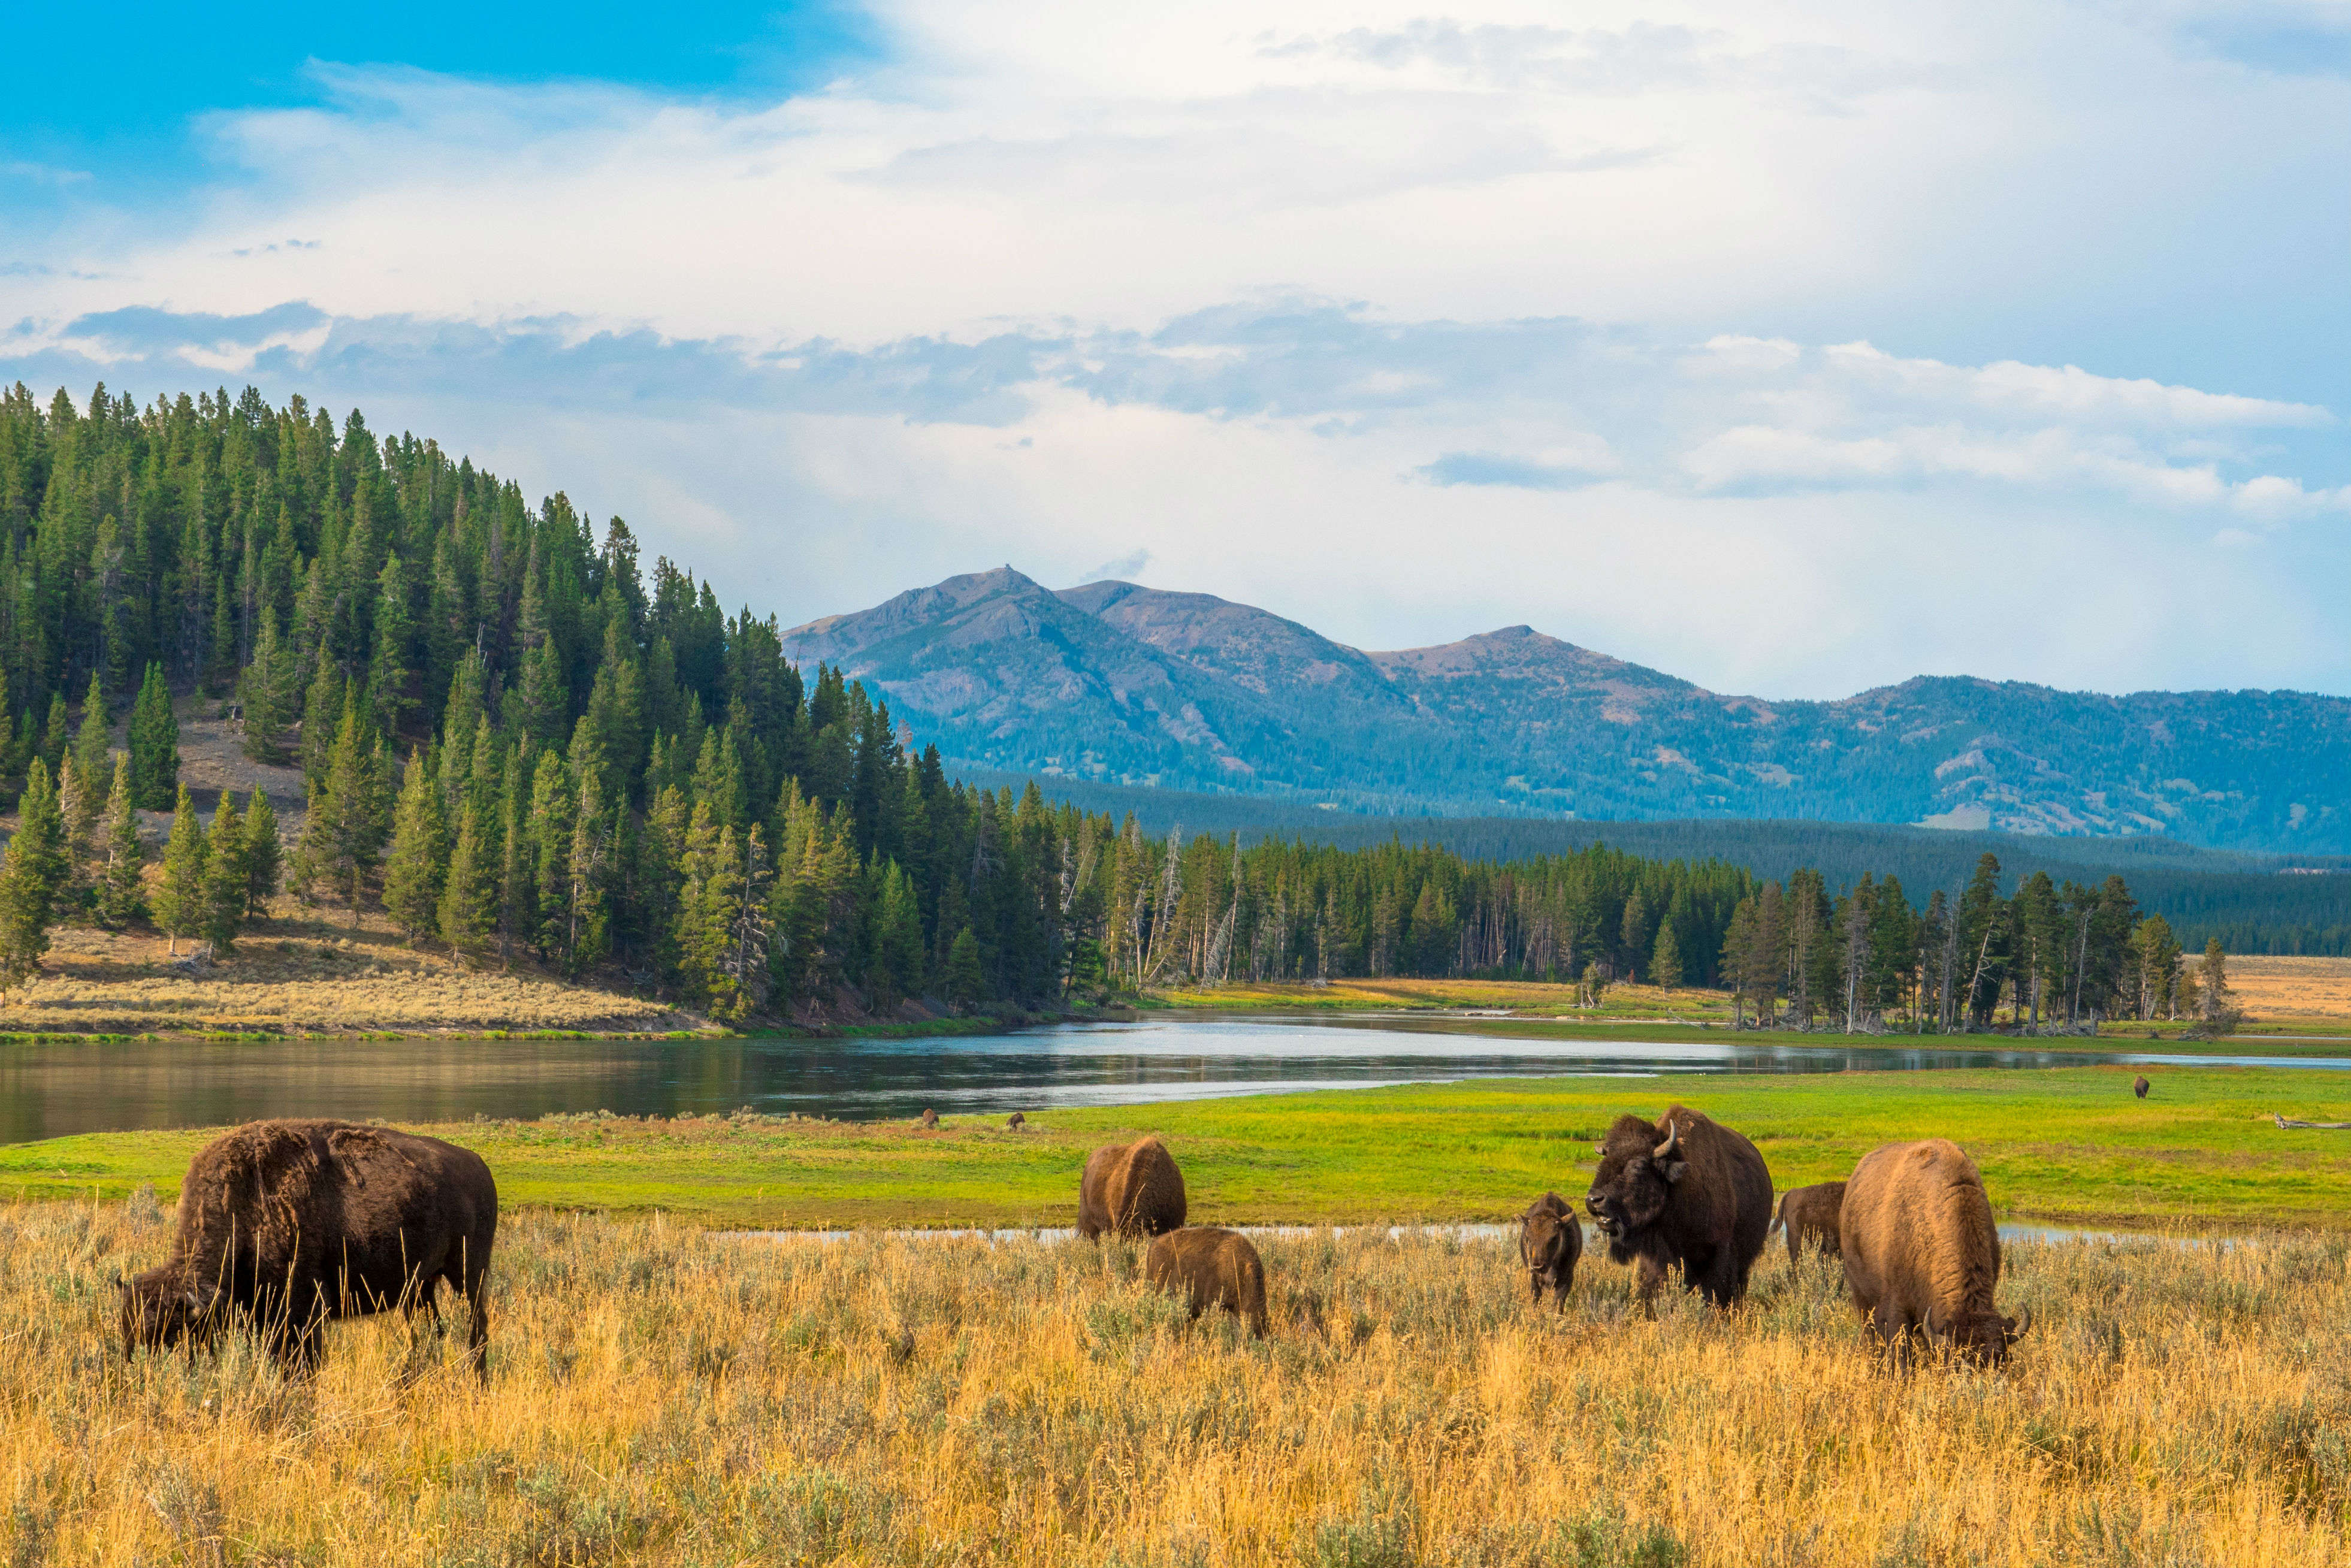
(1673, 1141)
(2020, 1325)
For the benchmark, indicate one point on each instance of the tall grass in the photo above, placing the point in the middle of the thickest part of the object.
(667, 1396)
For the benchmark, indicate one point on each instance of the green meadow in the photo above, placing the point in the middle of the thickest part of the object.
(2067, 1146)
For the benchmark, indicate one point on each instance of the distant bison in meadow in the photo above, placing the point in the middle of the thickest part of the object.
(1207, 1266)
(1130, 1189)
(1687, 1192)
(1922, 1254)
(1809, 1215)
(1550, 1240)
(287, 1224)
(1015, 1122)
(2139, 1086)
(928, 1121)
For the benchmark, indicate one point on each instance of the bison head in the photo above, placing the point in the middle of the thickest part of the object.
(1638, 1167)
(159, 1310)
(1984, 1337)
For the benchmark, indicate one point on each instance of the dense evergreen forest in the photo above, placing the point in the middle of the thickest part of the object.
(526, 747)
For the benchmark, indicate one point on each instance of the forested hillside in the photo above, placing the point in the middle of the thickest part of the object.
(527, 748)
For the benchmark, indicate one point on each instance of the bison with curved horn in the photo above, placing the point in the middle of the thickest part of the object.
(1130, 1189)
(287, 1224)
(1921, 1253)
(1687, 1192)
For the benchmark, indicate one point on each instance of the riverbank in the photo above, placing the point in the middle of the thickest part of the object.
(2068, 1145)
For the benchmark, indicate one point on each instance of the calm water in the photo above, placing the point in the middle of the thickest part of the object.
(48, 1091)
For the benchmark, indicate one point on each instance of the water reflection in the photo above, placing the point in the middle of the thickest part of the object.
(48, 1091)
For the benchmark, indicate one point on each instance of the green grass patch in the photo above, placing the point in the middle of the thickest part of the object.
(2063, 1145)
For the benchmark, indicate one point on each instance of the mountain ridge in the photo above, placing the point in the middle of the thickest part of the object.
(1115, 681)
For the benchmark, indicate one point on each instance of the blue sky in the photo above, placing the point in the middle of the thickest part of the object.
(1792, 350)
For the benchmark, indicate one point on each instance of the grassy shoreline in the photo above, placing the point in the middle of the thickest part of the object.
(2067, 1146)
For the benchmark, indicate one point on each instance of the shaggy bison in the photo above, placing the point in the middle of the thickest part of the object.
(2139, 1086)
(1686, 1192)
(1207, 1266)
(1921, 1255)
(1130, 1189)
(1550, 1240)
(286, 1225)
(928, 1120)
(1809, 1214)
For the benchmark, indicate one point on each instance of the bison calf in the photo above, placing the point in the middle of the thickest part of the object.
(287, 1224)
(1207, 1266)
(1921, 1253)
(1130, 1189)
(1809, 1215)
(1550, 1240)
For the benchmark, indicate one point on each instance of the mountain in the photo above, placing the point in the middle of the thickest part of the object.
(1116, 682)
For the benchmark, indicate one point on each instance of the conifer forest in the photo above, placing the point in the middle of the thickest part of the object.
(526, 747)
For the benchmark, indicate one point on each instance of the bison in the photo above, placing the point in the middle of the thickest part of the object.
(928, 1120)
(2139, 1086)
(1921, 1253)
(1809, 1214)
(1015, 1122)
(1687, 1192)
(1208, 1266)
(1550, 1240)
(286, 1225)
(1130, 1189)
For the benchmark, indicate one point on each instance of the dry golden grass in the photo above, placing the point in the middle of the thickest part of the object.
(2289, 987)
(301, 971)
(664, 1396)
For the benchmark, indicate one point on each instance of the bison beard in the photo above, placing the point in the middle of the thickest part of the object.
(1686, 1192)
(1922, 1254)
(288, 1225)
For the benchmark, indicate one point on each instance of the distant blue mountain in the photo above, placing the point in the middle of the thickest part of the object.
(1118, 683)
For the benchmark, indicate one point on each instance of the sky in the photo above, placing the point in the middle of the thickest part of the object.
(1791, 349)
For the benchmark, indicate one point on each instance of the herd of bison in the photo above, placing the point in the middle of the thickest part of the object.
(287, 1224)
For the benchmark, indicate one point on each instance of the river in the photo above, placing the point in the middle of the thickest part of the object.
(49, 1090)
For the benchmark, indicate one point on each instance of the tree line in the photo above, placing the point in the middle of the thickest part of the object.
(526, 747)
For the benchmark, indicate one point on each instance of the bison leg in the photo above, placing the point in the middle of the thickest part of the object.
(1648, 1277)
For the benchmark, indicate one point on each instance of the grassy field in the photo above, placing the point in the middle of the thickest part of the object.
(662, 1396)
(2063, 1144)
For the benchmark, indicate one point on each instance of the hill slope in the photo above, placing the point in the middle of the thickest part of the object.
(1116, 682)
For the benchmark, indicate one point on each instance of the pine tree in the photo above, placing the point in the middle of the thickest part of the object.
(180, 900)
(588, 904)
(389, 674)
(469, 895)
(898, 968)
(964, 982)
(31, 874)
(224, 892)
(154, 745)
(77, 807)
(122, 889)
(322, 705)
(343, 833)
(266, 695)
(263, 855)
(413, 875)
(56, 736)
(1666, 959)
(93, 747)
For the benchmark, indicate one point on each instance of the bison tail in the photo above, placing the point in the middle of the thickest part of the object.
(1778, 1219)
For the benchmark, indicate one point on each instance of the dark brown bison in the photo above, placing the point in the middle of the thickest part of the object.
(1130, 1189)
(1687, 1192)
(1550, 1240)
(286, 1225)
(1015, 1122)
(928, 1120)
(1207, 1266)
(2139, 1086)
(1809, 1214)
(1921, 1254)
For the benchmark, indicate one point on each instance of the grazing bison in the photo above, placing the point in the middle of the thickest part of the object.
(1550, 1240)
(1130, 1189)
(2139, 1086)
(1921, 1254)
(1810, 1214)
(1688, 1191)
(928, 1120)
(1015, 1122)
(284, 1225)
(1208, 1266)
